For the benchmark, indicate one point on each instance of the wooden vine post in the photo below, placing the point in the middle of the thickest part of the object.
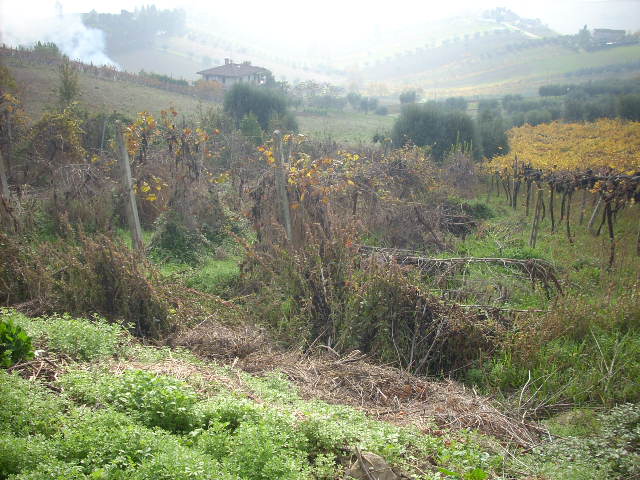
(594, 214)
(4, 182)
(638, 241)
(612, 241)
(583, 206)
(551, 208)
(516, 184)
(527, 198)
(127, 183)
(568, 215)
(281, 183)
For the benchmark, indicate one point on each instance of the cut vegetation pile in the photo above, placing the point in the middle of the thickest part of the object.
(353, 379)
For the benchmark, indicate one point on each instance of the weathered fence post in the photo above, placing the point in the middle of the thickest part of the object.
(127, 183)
(281, 183)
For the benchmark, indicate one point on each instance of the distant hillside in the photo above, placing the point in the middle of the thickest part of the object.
(38, 83)
(501, 62)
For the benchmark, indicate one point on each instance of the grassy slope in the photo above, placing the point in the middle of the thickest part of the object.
(347, 127)
(519, 72)
(38, 83)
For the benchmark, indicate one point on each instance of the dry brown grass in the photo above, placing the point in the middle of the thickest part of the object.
(383, 392)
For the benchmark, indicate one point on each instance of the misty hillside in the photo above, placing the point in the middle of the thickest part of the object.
(487, 53)
(97, 92)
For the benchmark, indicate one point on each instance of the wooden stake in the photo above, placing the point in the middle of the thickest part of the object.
(514, 198)
(4, 182)
(612, 242)
(127, 183)
(536, 220)
(594, 214)
(551, 212)
(527, 199)
(583, 205)
(281, 183)
(104, 129)
(568, 215)
(638, 241)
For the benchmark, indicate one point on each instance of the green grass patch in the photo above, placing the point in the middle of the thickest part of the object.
(585, 351)
(345, 127)
(79, 338)
(216, 276)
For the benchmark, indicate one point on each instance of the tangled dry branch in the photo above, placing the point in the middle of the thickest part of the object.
(536, 270)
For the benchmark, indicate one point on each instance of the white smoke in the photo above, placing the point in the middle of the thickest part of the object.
(27, 22)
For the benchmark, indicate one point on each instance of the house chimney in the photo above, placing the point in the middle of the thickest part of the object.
(227, 61)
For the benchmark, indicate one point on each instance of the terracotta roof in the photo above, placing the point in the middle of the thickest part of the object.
(233, 70)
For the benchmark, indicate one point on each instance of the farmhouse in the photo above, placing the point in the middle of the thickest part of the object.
(231, 73)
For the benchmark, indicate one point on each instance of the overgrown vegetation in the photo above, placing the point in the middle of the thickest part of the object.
(402, 256)
(140, 424)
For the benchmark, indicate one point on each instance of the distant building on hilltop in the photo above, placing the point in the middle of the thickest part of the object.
(608, 36)
(231, 73)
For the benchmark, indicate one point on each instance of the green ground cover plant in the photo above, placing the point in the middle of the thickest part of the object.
(81, 339)
(137, 424)
(15, 343)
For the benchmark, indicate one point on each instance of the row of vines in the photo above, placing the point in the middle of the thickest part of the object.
(551, 163)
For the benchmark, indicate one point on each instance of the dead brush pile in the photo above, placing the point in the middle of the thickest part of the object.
(394, 395)
(330, 295)
(354, 379)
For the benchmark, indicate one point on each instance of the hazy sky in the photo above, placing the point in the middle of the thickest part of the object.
(324, 16)
(298, 26)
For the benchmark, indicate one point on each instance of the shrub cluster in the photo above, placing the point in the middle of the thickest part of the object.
(439, 128)
(82, 276)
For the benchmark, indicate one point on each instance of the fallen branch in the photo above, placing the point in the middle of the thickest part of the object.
(502, 309)
(536, 269)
